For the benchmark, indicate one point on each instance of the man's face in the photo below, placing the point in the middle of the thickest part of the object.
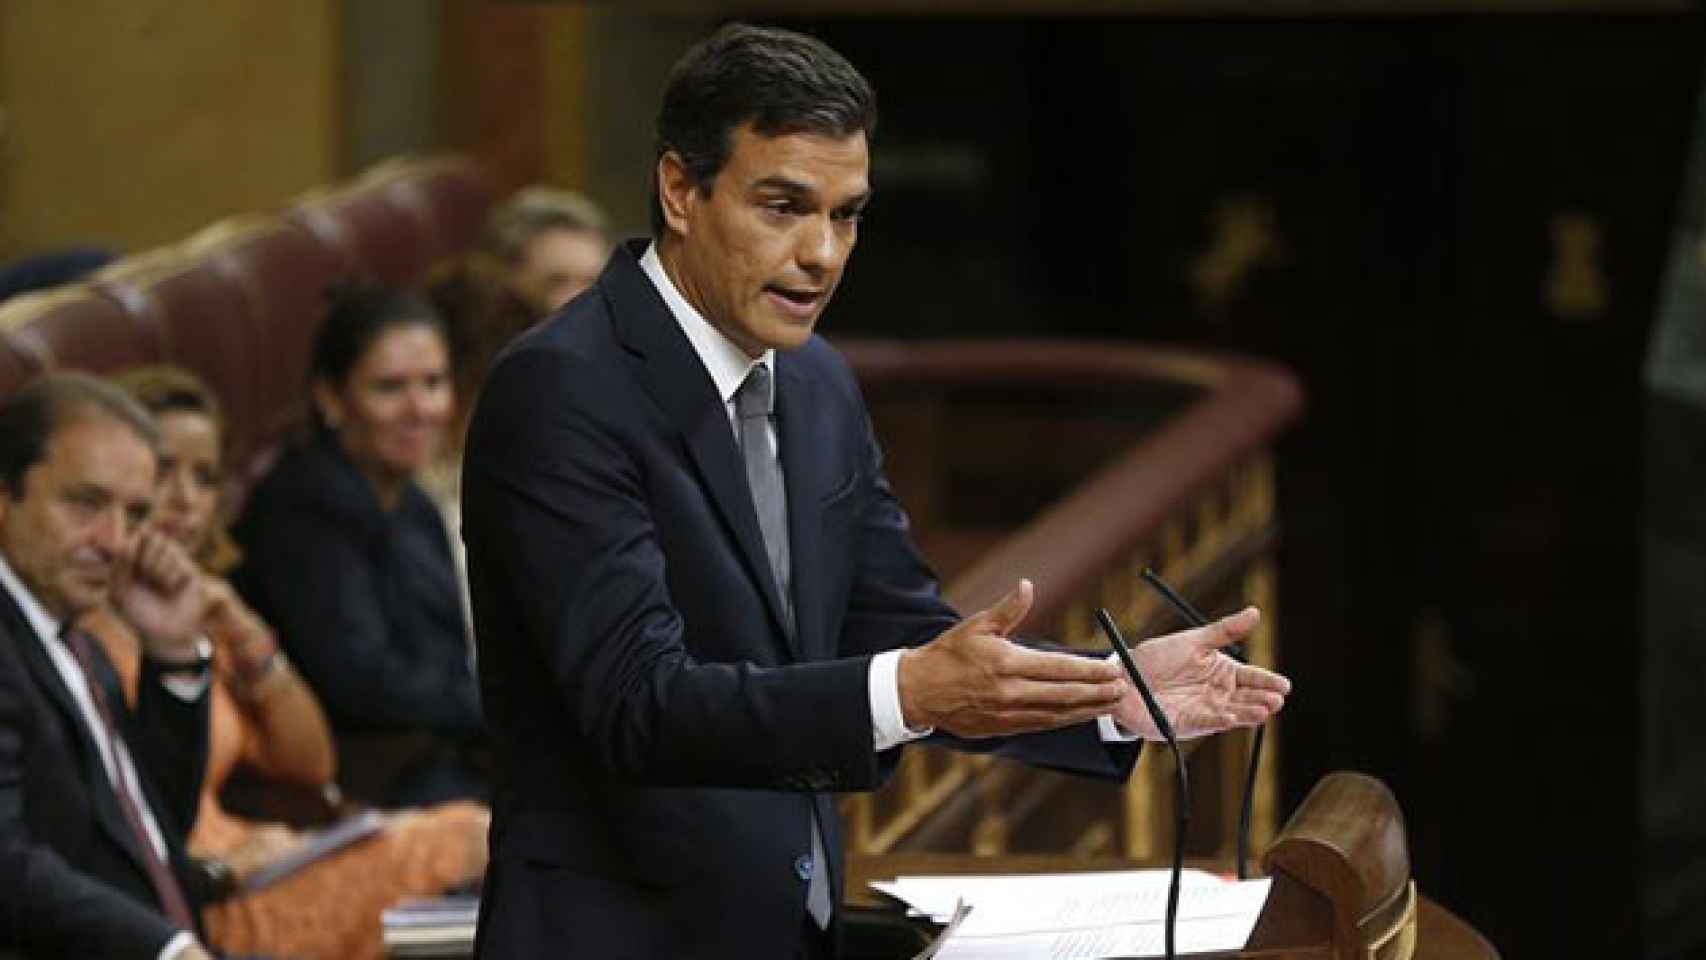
(556, 265)
(79, 513)
(761, 252)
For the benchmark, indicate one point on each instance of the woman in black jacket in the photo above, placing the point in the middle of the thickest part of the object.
(348, 558)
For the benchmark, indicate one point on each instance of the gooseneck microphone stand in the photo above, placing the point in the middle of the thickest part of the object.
(1237, 652)
(1181, 781)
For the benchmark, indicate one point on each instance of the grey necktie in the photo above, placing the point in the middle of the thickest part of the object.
(754, 402)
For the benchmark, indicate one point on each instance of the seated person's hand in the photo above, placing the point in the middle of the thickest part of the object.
(163, 595)
(265, 844)
(242, 641)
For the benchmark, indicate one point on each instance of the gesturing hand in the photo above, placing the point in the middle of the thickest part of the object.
(1202, 690)
(161, 592)
(972, 681)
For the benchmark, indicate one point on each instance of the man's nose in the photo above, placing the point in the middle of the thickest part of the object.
(112, 530)
(821, 246)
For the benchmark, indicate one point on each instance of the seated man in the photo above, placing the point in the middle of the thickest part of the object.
(95, 798)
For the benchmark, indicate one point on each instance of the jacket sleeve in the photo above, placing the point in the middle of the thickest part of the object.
(170, 738)
(47, 908)
(325, 600)
(556, 512)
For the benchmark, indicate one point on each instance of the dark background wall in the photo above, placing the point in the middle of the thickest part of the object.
(1673, 755)
(1453, 229)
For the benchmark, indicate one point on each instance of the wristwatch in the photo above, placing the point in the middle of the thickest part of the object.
(194, 667)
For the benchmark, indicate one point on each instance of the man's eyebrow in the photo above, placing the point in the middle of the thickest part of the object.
(858, 201)
(86, 489)
(797, 190)
(783, 184)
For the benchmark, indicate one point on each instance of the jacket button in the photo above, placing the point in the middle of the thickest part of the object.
(803, 866)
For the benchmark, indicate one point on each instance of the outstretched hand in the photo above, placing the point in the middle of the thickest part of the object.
(973, 681)
(1202, 690)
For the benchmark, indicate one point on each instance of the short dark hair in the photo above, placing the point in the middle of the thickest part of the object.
(30, 418)
(780, 81)
(359, 313)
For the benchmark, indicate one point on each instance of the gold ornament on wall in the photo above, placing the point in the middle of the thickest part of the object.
(1439, 679)
(1242, 237)
(1575, 287)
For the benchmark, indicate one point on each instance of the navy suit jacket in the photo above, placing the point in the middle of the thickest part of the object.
(663, 738)
(73, 882)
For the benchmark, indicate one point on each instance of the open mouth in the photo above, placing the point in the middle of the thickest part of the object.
(796, 300)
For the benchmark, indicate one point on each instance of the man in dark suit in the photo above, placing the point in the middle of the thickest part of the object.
(698, 607)
(95, 799)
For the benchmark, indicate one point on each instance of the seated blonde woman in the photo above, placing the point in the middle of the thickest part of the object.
(265, 718)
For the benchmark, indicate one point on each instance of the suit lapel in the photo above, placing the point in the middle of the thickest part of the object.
(801, 471)
(48, 679)
(675, 377)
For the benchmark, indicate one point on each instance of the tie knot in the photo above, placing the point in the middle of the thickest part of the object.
(753, 397)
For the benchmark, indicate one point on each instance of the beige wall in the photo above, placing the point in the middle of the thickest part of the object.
(135, 122)
(604, 75)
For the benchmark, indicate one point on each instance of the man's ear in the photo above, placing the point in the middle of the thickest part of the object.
(678, 195)
(328, 404)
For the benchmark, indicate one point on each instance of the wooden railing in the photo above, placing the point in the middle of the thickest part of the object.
(1077, 464)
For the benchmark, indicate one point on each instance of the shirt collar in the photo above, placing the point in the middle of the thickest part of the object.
(727, 363)
(46, 624)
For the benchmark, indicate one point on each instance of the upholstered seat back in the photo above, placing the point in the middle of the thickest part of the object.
(239, 302)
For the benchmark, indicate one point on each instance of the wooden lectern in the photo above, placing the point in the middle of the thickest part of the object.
(1341, 879)
(1341, 883)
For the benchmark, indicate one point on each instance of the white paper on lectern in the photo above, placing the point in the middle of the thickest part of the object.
(1121, 940)
(1086, 915)
(1115, 902)
(936, 896)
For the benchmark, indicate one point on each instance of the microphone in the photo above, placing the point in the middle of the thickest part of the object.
(1237, 652)
(1181, 781)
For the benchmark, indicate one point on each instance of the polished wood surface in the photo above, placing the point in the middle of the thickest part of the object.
(1347, 843)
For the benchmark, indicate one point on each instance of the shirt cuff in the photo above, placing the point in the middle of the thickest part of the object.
(888, 724)
(190, 687)
(1112, 732)
(187, 689)
(176, 945)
